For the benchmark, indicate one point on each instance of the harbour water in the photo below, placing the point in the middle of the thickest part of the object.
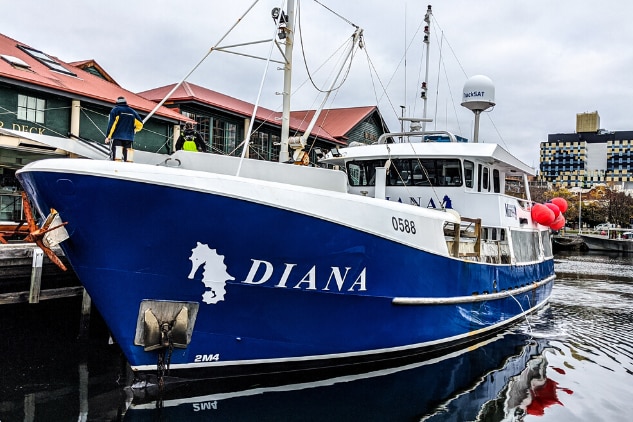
(573, 361)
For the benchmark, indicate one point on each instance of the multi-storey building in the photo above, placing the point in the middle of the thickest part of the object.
(590, 156)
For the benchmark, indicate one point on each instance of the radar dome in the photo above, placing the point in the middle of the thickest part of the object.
(479, 93)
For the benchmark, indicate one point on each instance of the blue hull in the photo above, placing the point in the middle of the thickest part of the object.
(313, 292)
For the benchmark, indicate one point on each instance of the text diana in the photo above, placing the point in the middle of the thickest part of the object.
(336, 279)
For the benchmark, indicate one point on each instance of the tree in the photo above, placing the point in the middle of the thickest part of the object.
(620, 208)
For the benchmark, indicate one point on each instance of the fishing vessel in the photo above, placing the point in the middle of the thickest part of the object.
(217, 266)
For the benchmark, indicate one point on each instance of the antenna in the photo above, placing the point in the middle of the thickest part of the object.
(478, 96)
(427, 20)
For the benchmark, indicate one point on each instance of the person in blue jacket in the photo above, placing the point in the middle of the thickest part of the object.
(123, 124)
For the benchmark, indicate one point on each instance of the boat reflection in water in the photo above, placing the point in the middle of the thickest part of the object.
(501, 379)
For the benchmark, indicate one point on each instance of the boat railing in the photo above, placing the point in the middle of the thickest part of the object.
(385, 136)
(618, 233)
(467, 232)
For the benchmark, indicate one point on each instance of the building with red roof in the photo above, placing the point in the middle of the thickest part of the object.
(40, 95)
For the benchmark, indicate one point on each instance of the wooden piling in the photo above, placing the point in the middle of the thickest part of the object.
(84, 322)
(36, 275)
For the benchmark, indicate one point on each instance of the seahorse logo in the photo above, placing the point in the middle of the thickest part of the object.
(214, 276)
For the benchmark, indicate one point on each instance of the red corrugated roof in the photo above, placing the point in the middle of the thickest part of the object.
(332, 124)
(84, 84)
(337, 121)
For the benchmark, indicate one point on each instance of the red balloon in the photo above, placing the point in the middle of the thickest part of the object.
(542, 215)
(554, 208)
(561, 203)
(559, 223)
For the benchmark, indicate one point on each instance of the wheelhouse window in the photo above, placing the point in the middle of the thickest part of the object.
(31, 109)
(408, 172)
(363, 173)
(496, 181)
(483, 183)
(469, 173)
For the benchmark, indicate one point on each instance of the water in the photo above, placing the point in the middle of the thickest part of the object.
(571, 362)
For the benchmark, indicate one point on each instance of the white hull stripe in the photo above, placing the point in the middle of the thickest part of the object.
(469, 299)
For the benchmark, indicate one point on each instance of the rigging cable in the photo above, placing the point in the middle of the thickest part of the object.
(465, 74)
(336, 14)
(347, 71)
(247, 137)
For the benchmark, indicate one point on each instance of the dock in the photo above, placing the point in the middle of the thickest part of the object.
(28, 276)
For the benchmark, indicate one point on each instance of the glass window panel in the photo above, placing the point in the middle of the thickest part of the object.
(525, 246)
(31, 108)
(496, 181)
(469, 172)
(231, 136)
(546, 241)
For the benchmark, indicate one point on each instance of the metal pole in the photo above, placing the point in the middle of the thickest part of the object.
(427, 19)
(476, 130)
(284, 154)
(580, 210)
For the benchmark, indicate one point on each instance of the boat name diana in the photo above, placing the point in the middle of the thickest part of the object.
(308, 281)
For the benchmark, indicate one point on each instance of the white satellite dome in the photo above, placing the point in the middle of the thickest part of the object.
(479, 93)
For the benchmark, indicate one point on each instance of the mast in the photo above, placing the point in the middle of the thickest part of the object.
(285, 114)
(298, 143)
(427, 30)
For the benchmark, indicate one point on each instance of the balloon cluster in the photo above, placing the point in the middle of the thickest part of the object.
(551, 213)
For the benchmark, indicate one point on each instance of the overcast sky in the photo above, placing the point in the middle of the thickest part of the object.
(548, 60)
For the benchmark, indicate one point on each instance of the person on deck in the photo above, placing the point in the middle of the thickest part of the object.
(123, 124)
(190, 140)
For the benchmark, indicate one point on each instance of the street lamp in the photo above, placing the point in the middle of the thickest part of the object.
(580, 210)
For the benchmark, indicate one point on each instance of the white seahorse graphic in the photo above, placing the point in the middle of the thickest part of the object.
(214, 276)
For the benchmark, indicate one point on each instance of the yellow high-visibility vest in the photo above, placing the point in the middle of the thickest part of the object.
(189, 145)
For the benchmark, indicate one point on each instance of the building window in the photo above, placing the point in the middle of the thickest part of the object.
(260, 146)
(274, 151)
(230, 137)
(31, 108)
